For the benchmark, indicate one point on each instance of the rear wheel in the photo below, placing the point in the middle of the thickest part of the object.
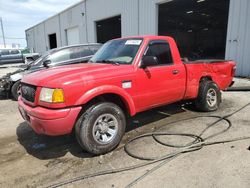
(100, 128)
(15, 90)
(209, 97)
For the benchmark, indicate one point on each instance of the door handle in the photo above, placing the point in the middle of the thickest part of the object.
(175, 71)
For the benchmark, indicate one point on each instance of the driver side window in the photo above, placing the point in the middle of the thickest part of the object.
(160, 50)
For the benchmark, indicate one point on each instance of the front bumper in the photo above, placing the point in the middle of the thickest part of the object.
(53, 122)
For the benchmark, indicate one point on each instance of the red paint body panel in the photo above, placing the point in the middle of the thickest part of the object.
(151, 87)
(49, 121)
(219, 72)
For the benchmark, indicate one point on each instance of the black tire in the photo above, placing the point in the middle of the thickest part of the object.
(202, 102)
(84, 128)
(15, 90)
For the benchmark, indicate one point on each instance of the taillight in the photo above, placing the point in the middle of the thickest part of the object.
(233, 71)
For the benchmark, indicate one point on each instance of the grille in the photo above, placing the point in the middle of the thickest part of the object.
(28, 92)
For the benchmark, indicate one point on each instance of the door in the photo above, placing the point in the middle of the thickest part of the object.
(5, 56)
(16, 56)
(72, 36)
(162, 83)
(198, 26)
(108, 29)
(52, 41)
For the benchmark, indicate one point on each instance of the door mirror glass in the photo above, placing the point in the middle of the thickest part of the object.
(148, 61)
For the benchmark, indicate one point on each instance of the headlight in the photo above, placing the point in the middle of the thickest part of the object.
(51, 95)
(16, 77)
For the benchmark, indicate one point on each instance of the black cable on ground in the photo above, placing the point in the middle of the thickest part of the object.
(197, 144)
(194, 143)
(236, 89)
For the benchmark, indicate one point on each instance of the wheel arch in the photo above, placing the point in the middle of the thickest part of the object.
(110, 94)
(205, 78)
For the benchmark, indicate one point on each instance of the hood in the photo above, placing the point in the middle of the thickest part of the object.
(70, 74)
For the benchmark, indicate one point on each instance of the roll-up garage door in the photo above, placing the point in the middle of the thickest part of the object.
(198, 26)
(72, 36)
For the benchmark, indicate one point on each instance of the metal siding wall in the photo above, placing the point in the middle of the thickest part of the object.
(73, 18)
(52, 25)
(30, 39)
(130, 17)
(238, 37)
(147, 17)
(246, 51)
(40, 45)
(99, 10)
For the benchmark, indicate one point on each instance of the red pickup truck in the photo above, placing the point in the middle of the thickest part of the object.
(126, 76)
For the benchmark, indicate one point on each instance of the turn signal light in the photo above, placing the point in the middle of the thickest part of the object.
(51, 95)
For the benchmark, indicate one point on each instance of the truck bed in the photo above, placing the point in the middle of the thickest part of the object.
(220, 71)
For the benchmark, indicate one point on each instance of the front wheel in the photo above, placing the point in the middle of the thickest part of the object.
(100, 128)
(209, 97)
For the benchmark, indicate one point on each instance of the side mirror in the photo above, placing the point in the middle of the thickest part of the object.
(148, 61)
(46, 63)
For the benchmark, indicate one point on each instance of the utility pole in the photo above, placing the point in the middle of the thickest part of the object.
(3, 32)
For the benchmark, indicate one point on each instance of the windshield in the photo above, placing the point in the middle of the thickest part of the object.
(121, 51)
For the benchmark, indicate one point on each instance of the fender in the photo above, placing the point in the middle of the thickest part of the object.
(197, 84)
(109, 89)
(193, 84)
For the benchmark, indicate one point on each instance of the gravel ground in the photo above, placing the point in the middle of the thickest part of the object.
(4, 69)
(30, 160)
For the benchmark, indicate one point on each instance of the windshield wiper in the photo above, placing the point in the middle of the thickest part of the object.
(109, 62)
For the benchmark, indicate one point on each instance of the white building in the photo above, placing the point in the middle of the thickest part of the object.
(202, 28)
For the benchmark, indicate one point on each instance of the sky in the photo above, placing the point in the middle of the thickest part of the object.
(19, 15)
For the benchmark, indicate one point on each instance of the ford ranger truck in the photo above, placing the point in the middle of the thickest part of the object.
(125, 76)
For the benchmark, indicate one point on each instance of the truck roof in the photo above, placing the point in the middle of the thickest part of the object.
(150, 37)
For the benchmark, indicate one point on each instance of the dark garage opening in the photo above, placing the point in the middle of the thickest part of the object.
(52, 41)
(198, 26)
(108, 29)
